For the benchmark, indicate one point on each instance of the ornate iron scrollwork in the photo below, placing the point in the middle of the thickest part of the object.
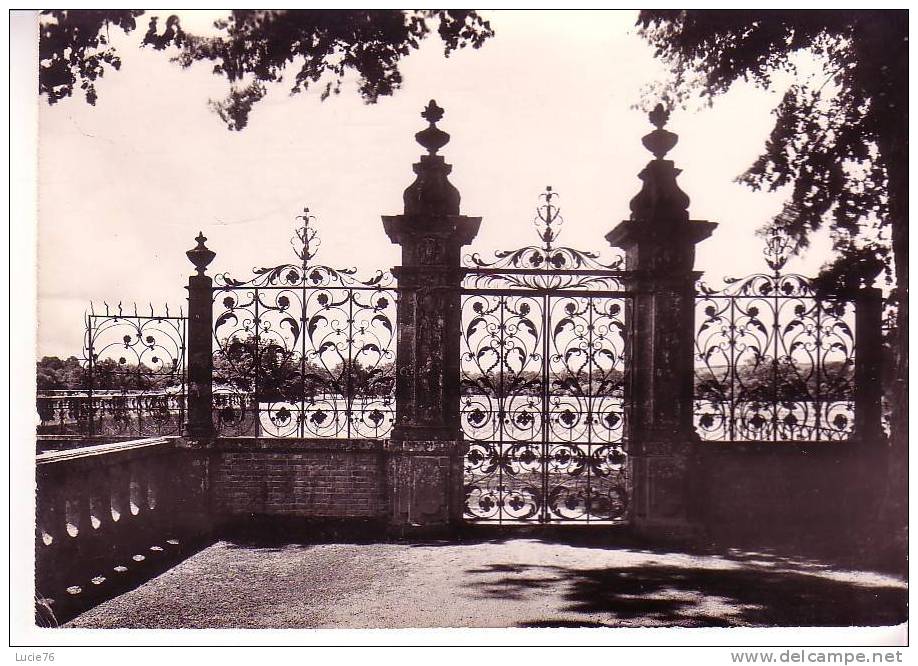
(774, 361)
(304, 350)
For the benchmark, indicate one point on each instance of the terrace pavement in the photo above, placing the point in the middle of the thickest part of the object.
(511, 581)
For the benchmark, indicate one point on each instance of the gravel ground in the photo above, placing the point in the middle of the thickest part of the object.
(503, 583)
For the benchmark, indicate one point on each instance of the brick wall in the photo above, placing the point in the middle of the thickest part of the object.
(739, 490)
(298, 478)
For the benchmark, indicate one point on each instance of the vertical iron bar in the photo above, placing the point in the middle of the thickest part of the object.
(589, 441)
(628, 376)
(820, 367)
(731, 424)
(257, 367)
(302, 424)
(349, 401)
(138, 397)
(501, 404)
(183, 395)
(774, 386)
(90, 323)
(546, 415)
(138, 402)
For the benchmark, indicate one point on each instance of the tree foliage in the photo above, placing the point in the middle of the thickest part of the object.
(785, 380)
(74, 48)
(105, 374)
(55, 374)
(257, 47)
(275, 373)
(839, 139)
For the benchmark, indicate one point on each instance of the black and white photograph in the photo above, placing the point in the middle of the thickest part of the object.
(397, 326)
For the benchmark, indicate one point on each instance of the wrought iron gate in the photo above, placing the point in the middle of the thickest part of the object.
(544, 349)
(304, 350)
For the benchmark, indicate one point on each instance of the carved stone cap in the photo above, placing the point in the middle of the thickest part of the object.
(667, 250)
(200, 255)
(431, 193)
(456, 230)
(629, 233)
(660, 141)
(660, 198)
(432, 138)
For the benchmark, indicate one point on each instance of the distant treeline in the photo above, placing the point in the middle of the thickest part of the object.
(782, 381)
(55, 374)
(765, 381)
(279, 375)
(529, 382)
(276, 374)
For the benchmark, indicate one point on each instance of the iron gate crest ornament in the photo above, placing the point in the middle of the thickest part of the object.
(546, 266)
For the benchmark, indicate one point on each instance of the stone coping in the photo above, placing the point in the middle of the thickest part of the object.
(111, 451)
(294, 444)
(787, 447)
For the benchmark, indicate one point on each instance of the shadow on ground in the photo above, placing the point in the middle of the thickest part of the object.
(712, 597)
(793, 548)
(789, 582)
(585, 581)
(796, 548)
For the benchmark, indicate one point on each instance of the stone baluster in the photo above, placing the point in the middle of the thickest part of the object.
(51, 536)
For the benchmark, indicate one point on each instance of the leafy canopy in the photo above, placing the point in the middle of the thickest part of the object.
(256, 47)
(74, 48)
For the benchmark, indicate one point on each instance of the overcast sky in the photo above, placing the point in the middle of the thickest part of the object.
(125, 186)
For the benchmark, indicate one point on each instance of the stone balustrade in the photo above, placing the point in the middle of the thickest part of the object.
(121, 415)
(110, 514)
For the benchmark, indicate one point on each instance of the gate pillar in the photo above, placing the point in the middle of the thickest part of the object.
(199, 424)
(426, 450)
(659, 243)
